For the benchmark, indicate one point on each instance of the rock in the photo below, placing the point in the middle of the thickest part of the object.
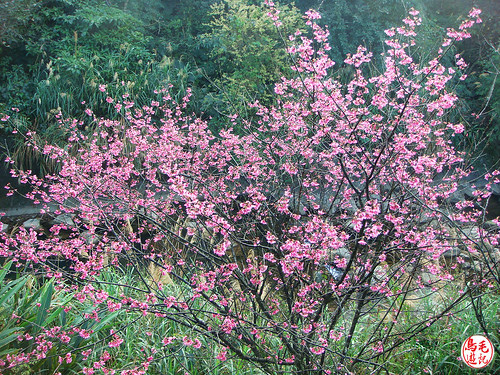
(64, 219)
(491, 226)
(493, 209)
(466, 266)
(470, 232)
(496, 256)
(341, 252)
(477, 268)
(90, 239)
(463, 192)
(4, 227)
(428, 279)
(34, 224)
(334, 271)
(451, 254)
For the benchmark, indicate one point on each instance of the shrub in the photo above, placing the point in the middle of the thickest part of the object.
(328, 220)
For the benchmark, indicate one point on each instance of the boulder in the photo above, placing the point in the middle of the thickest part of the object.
(451, 254)
(64, 219)
(90, 239)
(4, 228)
(34, 224)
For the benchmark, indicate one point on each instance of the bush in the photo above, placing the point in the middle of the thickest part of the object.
(330, 219)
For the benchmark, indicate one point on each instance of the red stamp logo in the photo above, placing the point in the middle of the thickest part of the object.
(477, 351)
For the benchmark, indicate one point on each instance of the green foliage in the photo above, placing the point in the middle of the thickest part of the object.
(249, 50)
(15, 17)
(356, 22)
(74, 47)
(30, 306)
(56, 52)
(488, 90)
(479, 93)
(17, 89)
(27, 308)
(438, 351)
(54, 55)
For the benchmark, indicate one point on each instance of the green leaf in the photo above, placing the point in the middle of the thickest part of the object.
(62, 318)
(30, 302)
(3, 353)
(105, 321)
(4, 271)
(18, 284)
(59, 311)
(44, 305)
(6, 337)
(52, 316)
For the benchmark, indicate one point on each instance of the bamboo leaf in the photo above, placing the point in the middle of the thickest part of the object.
(44, 305)
(4, 271)
(6, 340)
(18, 284)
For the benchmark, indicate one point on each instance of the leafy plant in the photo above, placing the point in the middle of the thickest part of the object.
(250, 52)
(36, 318)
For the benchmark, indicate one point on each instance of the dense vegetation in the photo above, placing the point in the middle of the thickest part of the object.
(241, 187)
(54, 53)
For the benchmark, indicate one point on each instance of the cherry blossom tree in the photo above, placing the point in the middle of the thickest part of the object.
(328, 219)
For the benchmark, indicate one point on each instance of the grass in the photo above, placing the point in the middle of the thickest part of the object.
(435, 351)
(143, 337)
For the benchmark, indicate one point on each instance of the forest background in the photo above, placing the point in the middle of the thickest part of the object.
(55, 53)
